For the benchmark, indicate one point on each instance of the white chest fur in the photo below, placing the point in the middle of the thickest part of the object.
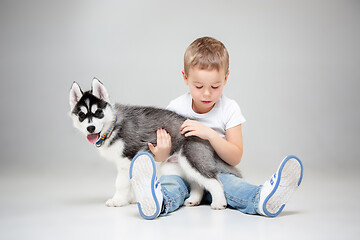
(114, 152)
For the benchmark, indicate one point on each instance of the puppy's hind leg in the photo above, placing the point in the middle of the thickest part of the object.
(217, 193)
(196, 194)
(213, 185)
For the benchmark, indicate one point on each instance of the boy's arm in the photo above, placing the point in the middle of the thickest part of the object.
(230, 149)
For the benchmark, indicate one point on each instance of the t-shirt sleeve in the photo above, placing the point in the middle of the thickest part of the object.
(171, 106)
(233, 115)
(179, 105)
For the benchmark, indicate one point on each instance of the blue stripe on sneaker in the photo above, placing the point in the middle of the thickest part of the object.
(277, 185)
(153, 177)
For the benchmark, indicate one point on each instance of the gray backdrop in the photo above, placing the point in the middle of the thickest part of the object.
(294, 70)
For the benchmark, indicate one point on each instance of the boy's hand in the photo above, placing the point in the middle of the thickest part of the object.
(195, 128)
(163, 145)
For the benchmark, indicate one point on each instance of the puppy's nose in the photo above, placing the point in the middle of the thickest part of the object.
(91, 129)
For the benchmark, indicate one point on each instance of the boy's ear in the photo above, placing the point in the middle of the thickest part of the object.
(226, 77)
(75, 94)
(186, 80)
(99, 91)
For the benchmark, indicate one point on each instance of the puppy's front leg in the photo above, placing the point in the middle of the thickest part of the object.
(122, 190)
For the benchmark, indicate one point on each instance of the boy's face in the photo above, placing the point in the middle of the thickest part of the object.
(206, 87)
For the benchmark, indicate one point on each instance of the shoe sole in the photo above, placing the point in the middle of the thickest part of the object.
(142, 177)
(289, 177)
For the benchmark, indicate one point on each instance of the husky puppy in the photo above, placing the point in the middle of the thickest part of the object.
(120, 132)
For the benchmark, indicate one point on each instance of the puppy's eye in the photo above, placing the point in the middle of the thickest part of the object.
(99, 113)
(82, 116)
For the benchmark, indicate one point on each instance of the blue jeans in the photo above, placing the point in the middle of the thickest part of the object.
(239, 194)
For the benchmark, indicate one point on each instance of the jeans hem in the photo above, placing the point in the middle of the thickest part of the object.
(253, 201)
(169, 201)
(257, 200)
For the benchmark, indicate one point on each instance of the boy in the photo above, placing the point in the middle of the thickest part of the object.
(217, 119)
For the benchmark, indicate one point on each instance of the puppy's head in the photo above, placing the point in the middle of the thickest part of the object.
(91, 111)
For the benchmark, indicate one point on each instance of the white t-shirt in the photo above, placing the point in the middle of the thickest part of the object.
(224, 115)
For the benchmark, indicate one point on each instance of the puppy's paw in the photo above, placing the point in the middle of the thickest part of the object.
(116, 202)
(191, 202)
(218, 205)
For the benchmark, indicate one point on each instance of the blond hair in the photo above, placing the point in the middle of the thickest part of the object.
(206, 53)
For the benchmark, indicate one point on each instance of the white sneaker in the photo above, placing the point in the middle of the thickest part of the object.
(146, 187)
(277, 191)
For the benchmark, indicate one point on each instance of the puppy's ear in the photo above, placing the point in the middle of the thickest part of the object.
(75, 94)
(99, 91)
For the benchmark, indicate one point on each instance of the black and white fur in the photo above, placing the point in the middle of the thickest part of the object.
(198, 163)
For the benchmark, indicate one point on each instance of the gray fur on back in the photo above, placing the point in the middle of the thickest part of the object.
(137, 126)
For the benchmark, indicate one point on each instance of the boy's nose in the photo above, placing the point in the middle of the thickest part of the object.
(207, 93)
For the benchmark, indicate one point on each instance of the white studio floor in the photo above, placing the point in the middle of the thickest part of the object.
(68, 203)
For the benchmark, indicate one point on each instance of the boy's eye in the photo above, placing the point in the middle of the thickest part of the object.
(215, 87)
(82, 116)
(198, 87)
